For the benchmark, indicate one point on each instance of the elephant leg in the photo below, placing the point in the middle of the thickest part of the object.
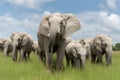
(48, 56)
(99, 57)
(72, 62)
(14, 57)
(93, 58)
(60, 56)
(6, 52)
(76, 63)
(28, 56)
(48, 60)
(108, 59)
(87, 56)
(67, 60)
(25, 57)
(41, 56)
(22, 55)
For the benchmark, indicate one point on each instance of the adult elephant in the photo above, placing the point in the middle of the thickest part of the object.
(52, 34)
(102, 44)
(6, 46)
(75, 54)
(21, 41)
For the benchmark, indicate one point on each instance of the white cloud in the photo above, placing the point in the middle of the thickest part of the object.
(47, 13)
(28, 3)
(112, 4)
(94, 23)
(28, 24)
(10, 25)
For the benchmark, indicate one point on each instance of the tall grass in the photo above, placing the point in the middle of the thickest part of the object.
(35, 70)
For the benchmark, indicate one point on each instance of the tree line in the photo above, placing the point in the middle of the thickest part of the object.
(116, 47)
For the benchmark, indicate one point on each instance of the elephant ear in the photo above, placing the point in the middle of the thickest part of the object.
(44, 26)
(12, 36)
(25, 39)
(74, 52)
(98, 42)
(72, 25)
(4, 41)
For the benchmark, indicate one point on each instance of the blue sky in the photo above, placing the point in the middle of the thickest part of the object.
(96, 16)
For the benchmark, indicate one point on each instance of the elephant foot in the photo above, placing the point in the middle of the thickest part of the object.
(59, 67)
(50, 69)
(14, 59)
(107, 64)
(7, 55)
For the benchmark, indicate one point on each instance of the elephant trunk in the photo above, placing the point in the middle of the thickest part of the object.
(108, 55)
(54, 30)
(82, 64)
(14, 51)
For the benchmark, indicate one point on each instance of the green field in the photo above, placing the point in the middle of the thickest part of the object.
(35, 70)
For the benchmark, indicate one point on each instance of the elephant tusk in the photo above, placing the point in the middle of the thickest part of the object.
(49, 34)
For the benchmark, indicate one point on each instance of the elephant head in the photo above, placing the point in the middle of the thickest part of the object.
(16, 38)
(102, 42)
(20, 39)
(80, 53)
(61, 24)
(87, 42)
(2, 42)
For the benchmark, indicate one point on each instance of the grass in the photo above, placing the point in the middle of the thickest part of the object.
(35, 70)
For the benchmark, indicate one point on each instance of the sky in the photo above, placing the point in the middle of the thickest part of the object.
(95, 16)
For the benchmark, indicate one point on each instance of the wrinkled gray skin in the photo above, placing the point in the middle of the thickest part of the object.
(52, 34)
(36, 49)
(21, 41)
(87, 42)
(75, 54)
(6, 46)
(102, 44)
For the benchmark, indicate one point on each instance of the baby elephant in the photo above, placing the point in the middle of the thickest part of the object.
(75, 53)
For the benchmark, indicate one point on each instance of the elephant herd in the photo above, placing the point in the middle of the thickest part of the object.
(19, 41)
(53, 37)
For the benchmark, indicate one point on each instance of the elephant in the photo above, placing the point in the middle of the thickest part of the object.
(102, 44)
(36, 49)
(6, 46)
(88, 43)
(2, 41)
(21, 41)
(52, 33)
(75, 53)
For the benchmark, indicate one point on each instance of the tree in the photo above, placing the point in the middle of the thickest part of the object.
(117, 45)
(114, 48)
